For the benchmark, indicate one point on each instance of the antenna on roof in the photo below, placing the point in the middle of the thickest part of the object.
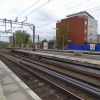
(80, 6)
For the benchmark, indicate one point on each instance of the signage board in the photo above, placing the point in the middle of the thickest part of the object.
(92, 46)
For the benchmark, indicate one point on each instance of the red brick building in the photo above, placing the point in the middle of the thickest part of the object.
(80, 28)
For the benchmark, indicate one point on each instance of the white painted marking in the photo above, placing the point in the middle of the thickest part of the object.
(2, 96)
(21, 83)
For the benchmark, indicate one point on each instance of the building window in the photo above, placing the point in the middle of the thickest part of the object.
(85, 30)
(85, 22)
(85, 39)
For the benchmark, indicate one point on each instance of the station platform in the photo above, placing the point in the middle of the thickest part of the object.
(12, 88)
(75, 58)
(72, 51)
(84, 60)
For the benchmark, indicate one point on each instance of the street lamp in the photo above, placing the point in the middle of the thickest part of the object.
(55, 38)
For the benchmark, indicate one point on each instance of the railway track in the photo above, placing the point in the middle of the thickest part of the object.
(63, 70)
(70, 51)
(65, 79)
(44, 77)
(87, 74)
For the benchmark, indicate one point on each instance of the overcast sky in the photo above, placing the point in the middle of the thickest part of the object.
(44, 14)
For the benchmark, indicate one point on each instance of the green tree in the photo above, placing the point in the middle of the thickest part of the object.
(4, 44)
(30, 42)
(19, 37)
(22, 37)
(51, 43)
(63, 33)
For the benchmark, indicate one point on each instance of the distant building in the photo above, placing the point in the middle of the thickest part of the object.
(98, 38)
(81, 28)
(11, 39)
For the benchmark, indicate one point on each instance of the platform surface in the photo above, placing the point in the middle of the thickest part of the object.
(12, 88)
(74, 58)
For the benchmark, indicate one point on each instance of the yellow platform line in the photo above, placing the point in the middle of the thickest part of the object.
(2, 96)
(71, 58)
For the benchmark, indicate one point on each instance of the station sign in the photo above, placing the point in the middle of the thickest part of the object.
(92, 46)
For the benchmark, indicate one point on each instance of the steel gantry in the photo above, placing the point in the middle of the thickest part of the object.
(4, 22)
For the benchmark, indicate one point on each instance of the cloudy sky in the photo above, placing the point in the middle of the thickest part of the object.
(45, 13)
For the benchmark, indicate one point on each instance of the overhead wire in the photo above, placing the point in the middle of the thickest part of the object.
(50, 23)
(51, 14)
(68, 7)
(47, 23)
(40, 6)
(22, 4)
(53, 22)
(44, 24)
(28, 8)
(15, 6)
(90, 10)
(19, 4)
(36, 8)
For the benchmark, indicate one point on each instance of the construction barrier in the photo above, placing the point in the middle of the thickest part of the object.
(83, 47)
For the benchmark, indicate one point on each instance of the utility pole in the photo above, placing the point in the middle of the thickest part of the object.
(11, 23)
(55, 38)
(33, 30)
(14, 41)
(63, 42)
(13, 33)
(33, 37)
(54, 42)
(5, 24)
(38, 41)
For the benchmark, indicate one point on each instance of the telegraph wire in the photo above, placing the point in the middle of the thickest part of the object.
(23, 3)
(45, 24)
(69, 7)
(19, 4)
(51, 14)
(90, 10)
(28, 8)
(37, 8)
(16, 7)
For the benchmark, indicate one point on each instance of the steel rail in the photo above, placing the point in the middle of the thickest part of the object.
(77, 83)
(47, 62)
(30, 70)
(89, 71)
(56, 58)
(81, 85)
(72, 51)
(67, 65)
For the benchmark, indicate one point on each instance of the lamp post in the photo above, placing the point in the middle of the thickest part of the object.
(63, 42)
(55, 38)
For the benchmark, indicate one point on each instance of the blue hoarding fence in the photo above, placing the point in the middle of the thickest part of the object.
(82, 47)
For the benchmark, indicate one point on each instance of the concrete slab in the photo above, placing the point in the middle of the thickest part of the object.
(12, 88)
(91, 61)
(2, 96)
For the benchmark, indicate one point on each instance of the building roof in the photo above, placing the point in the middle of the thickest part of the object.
(79, 13)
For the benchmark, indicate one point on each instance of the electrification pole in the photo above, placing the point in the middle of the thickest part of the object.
(11, 23)
(33, 37)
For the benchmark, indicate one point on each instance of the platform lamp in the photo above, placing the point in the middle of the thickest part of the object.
(55, 38)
